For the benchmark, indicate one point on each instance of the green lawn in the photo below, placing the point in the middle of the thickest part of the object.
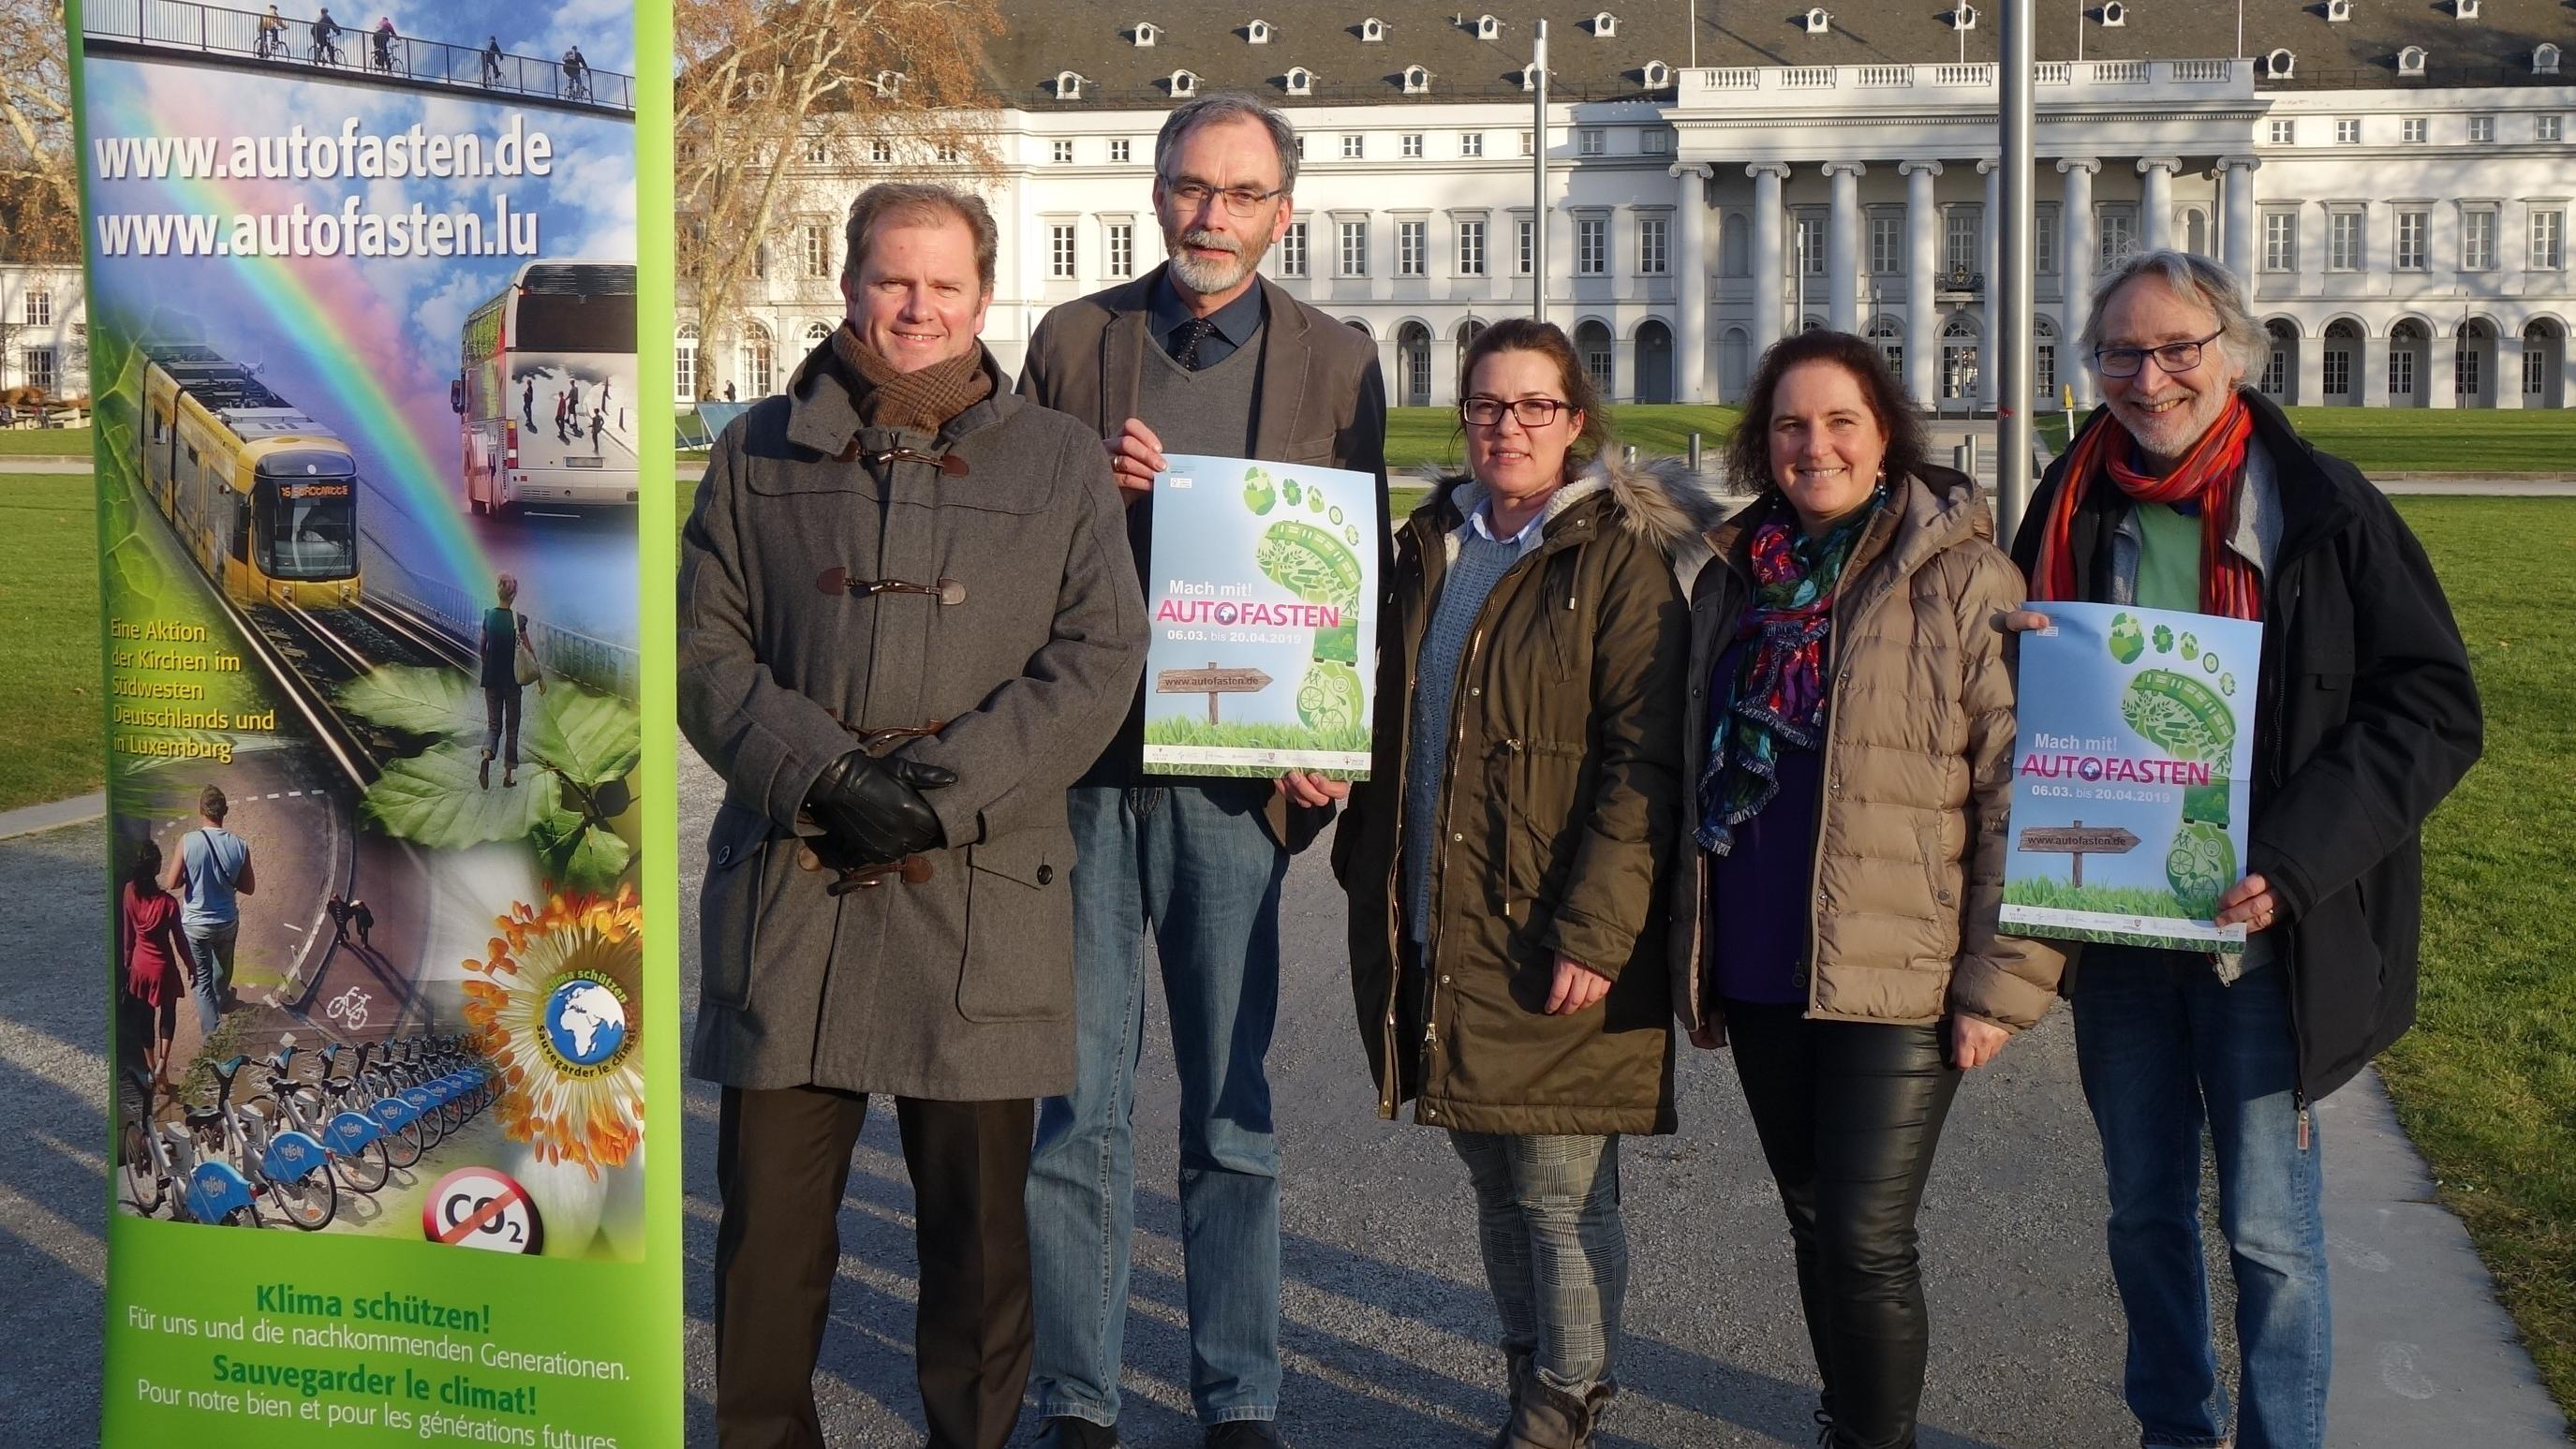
(2418, 440)
(49, 639)
(1418, 438)
(44, 442)
(2484, 1083)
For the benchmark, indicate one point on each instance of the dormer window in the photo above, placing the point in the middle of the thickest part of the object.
(1818, 22)
(1258, 32)
(1184, 83)
(1604, 25)
(1963, 17)
(1068, 86)
(1658, 75)
(2465, 9)
(1145, 33)
(2114, 15)
(1417, 81)
(1488, 28)
(2544, 60)
(1372, 30)
(2410, 61)
(2338, 11)
(1529, 77)
(1301, 81)
(2279, 64)
(887, 83)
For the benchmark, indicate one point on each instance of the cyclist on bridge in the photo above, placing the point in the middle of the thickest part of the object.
(326, 31)
(272, 34)
(385, 38)
(492, 61)
(576, 73)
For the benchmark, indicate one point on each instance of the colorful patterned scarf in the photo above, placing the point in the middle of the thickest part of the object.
(2211, 475)
(1777, 697)
(923, 401)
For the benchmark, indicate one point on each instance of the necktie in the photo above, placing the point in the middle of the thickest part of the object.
(1186, 342)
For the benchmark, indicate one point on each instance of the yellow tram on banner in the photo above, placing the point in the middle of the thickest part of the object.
(264, 498)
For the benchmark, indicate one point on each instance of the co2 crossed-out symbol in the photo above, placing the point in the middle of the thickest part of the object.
(481, 1207)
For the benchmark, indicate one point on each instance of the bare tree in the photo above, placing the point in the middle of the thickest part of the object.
(785, 108)
(39, 180)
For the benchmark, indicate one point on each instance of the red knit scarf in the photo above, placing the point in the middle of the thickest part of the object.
(2211, 475)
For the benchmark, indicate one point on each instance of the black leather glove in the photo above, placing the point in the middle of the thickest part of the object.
(871, 810)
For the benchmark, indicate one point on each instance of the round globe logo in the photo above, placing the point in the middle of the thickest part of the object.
(585, 1024)
(1227, 613)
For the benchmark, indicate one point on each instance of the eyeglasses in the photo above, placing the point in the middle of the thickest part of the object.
(1239, 200)
(2171, 358)
(1530, 412)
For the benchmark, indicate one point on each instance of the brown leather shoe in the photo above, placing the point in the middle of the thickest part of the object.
(1546, 1417)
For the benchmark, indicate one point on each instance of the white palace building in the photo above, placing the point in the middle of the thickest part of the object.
(2394, 176)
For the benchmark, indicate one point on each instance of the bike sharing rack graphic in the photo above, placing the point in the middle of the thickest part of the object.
(377, 680)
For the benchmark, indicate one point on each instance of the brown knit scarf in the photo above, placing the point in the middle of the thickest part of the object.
(923, 400)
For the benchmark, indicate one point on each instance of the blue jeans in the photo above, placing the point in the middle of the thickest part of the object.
(210, 951)
(1193, 861)
(2163, 1046)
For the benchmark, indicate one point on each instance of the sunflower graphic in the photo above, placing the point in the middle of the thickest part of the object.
(556, 1013)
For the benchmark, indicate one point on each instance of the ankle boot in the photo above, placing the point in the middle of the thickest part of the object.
(1546, 1417)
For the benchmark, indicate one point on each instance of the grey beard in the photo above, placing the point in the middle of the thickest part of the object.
(1208, 278)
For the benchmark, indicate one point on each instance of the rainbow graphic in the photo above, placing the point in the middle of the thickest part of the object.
(325, 310)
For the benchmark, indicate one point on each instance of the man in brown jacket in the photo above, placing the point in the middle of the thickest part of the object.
(1199, 356)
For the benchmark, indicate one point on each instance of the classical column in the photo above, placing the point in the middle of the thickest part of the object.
(2075, 270)
(2155, 201)
(2311, 387)
(2439, 375)
(1690, 337)
(2508, 370)
(1767, 276)
(1990, 266)
(1842, 247)
(2374, 370)
(1922, 318)
(2236, 180)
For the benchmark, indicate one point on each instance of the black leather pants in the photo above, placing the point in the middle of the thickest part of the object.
(1849, 1114)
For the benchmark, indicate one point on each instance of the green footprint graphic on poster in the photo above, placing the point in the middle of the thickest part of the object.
(2187, 719)
(1317, 567)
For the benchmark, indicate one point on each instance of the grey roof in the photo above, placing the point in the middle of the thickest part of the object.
(1095, 39)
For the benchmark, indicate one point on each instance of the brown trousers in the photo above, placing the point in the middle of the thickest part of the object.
(782, 1163)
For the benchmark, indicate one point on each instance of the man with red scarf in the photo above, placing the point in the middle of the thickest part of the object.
(2188, 490)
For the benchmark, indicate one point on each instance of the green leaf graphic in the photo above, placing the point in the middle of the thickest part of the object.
(433, 799)
(421, 701)
(589, 736)
(580, 856)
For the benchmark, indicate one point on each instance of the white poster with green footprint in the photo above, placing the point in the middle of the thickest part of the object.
(1259, 591)
(2131, 775)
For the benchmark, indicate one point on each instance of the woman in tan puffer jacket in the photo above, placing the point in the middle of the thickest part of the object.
(1849, 736)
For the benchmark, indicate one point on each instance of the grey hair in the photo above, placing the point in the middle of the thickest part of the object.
(2194, 279)
(1229, 106)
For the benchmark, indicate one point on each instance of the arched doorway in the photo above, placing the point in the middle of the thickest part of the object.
(1734, 364)
(2544, 365)
(2280, 378)
(1592, 346)
(2473, 359)
(1888, 336)
(759, 361)
(1468, 332)
(1358, 326)
(1959, 360)
(2409, 355)
(684, 363)
(1413, 364)
(2195, 232)
(1654, 362)
(2339, 365)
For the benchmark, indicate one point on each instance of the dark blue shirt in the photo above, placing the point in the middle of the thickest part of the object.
(1234, 323)
(1759, 891)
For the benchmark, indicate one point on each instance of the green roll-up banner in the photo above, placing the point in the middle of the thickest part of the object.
(384, 473)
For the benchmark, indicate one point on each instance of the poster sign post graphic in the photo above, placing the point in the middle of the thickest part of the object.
(1262, 658)
(2131, 775)
(383, 468)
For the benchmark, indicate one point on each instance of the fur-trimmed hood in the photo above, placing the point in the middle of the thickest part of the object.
(1660, 500)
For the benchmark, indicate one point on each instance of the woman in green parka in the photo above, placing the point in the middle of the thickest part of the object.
(1504, 859)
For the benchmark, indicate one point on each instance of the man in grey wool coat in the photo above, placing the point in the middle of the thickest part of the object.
(908, 620)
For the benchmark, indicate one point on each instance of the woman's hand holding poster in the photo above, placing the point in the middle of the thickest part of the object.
(2131, 785)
